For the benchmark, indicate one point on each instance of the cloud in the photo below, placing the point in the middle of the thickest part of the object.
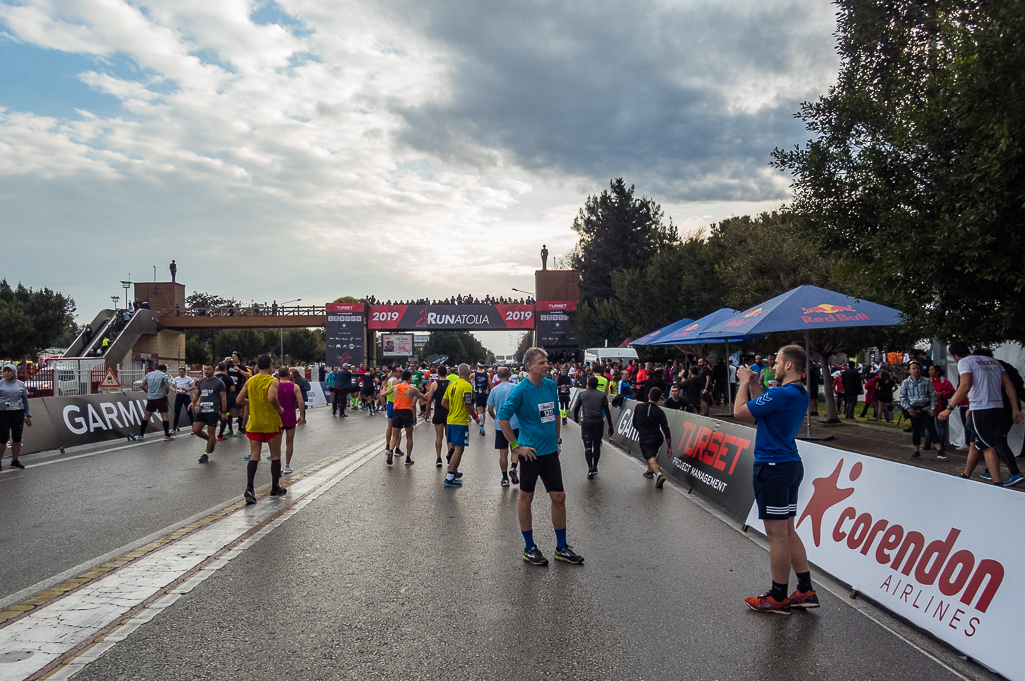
(397, 148)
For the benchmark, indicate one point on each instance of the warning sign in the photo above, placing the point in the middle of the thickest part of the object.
(110, 384)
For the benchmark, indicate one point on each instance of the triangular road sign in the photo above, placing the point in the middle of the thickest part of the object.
(110, 382)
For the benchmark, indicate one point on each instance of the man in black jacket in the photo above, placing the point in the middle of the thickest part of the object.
(851, 379)
(653, 428)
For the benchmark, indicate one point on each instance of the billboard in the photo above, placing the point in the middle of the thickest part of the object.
(345, 333)
(451, 317)
(554, 325)
(397, 344)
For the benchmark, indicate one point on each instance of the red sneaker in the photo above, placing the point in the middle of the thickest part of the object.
(766, 603)
(807, 599)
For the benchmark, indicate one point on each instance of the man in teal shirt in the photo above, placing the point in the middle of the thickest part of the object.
(533, 402)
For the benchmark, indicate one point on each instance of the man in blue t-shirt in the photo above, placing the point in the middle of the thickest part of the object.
(533, 402)
(496, 398)
(778, 472)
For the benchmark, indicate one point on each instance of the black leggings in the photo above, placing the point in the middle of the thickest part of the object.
(182, 400)
(12, 424)
(591, 434)
(920, 420)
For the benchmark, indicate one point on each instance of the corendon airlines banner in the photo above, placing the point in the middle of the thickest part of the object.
(451, 317)
(714, 458)
(345, 333)
(930, 547)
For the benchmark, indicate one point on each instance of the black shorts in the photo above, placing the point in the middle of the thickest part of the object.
(990, 426)
(650, 450)
(402, 418)
(776, 486)
(12, 423)
(547, 468)
(208, 418)
(501, 442)
(564, 400)
(480, 400)
(440, 417)
(159, 406)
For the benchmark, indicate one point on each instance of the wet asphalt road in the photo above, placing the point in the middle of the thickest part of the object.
(63, 514)
(390, 575)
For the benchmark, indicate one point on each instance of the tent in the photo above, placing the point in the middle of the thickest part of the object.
(650, 338)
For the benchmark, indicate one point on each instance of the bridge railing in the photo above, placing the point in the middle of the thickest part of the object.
(250, 311)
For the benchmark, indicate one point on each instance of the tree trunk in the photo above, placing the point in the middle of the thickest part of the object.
(827, 385)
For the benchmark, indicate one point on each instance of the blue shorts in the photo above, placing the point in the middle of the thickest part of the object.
(389, 408)
(776, 486)
(458, 436)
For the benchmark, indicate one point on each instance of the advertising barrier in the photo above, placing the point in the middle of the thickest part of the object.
(932, 548)
(714, 458)
(459, 317)
(84, 419)
(345, 333)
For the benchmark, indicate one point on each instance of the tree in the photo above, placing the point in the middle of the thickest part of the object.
(32, 320)
(249, 343)
(460, 346)
(916, 173)
(617, 232)
(304, 345)
(195, 351)
(210, 300)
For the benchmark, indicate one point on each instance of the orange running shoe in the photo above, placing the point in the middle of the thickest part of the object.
(766, 603)
(807, 599)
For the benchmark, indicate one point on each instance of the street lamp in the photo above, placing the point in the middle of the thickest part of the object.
(114, 300)
(125, 285)
(529, 293)
(281, 331)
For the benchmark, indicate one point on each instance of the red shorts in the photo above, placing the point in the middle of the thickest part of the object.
(261, 437)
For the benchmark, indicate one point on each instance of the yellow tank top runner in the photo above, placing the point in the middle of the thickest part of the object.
(263, 417)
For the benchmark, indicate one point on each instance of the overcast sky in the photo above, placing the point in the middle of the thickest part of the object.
(318, 148)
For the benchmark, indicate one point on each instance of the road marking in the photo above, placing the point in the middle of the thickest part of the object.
(81, 456)
(65, 634)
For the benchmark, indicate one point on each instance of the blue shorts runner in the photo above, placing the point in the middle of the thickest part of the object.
(389, 409)
(458, 436)
(776, 486)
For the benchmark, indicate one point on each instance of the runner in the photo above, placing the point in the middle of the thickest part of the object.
(589, 410)
(481, 387)
(14, 413)
(777, 474)
(389, 403)
(532, 402)
(496, 398)
(183, 385)
(564, 384)
(458, 401)
(367, 390)
(343, 383)
(653, 428)
(209, 404)
(222, 373)
(440, 416)
(290, 398)
(238, 377)
(403, 415)
(260, 395)
(157, 385)
(329, 385)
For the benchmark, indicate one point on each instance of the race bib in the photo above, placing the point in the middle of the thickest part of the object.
(564, 390)
(206, 407)
(547, 411)
(14, 405)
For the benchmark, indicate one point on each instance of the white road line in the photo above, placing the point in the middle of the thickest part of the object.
(51, 631)
(81, 456)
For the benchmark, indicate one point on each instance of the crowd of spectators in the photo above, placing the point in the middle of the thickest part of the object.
(456, 300)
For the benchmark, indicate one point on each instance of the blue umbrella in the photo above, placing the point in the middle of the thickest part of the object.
(803, 309)
(689, 334)
(654, 335)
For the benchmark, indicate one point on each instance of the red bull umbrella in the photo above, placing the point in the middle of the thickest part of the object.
(805, 308)
(651, 338)
(690, 334)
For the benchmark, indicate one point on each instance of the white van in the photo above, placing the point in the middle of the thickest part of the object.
(623, 355)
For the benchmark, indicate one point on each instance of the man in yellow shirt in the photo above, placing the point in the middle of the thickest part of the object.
(260, 397)
(459, 402)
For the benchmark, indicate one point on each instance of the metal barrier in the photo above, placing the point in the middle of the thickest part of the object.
(249, 311)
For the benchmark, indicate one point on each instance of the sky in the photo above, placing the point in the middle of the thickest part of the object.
(319, 148)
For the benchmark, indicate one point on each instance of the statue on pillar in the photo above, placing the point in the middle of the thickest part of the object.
(544, 257)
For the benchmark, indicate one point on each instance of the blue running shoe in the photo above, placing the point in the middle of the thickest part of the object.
(459, 474)
(1013, 480)
(985, 475)
(452, 483)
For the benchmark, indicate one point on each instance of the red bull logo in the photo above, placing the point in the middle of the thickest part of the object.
(831, 313)
(744, 320)
(828, 309)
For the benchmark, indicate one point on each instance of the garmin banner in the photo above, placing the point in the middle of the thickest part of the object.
(345, 333)
(555, 325)
(451, 317)
(85, 419)
(714, 458)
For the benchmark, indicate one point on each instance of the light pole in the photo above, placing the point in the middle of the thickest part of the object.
(125, 285)
(281, 332)
(529, 293)
(114, 300)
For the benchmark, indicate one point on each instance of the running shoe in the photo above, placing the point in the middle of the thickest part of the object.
(961, 475)
(941, 455)
(204, 458)
(238, 433)
(564, 422)
(279, 492)
(453, 483)
(399, 452)
(534, 556)
(231, 433)
(246, 457)
(482, 431)
(766, 603)
(220, 438)
(515, 478)
(648, 473)
(287, 470)
(805, 600)
(409, 462)
(390, 456)
(459, 474)
(660, 480)
(505, 481)
(438, 462)
(1010, 482)
(268, 457)
(18, 464)
(985, 475)
(590, 474)
(140, 438)
(131, 437)
(168, 438)
(916, 455)
(250, 497)
(568, 555)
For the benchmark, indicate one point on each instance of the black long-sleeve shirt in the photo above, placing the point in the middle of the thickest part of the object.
(650, 422)
(594, 405)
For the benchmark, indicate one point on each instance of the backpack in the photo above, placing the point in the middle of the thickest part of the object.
(1019, 384)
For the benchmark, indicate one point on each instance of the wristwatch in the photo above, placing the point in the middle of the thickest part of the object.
(560, 440)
